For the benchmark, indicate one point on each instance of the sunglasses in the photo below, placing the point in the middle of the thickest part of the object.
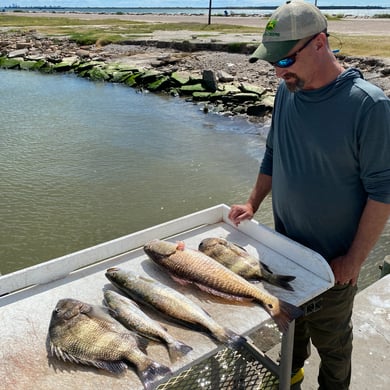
(290, 60)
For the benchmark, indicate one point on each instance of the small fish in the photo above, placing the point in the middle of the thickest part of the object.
(171, 303)
(238, 260)
(190, 266)
(132, 317)
(86, 334)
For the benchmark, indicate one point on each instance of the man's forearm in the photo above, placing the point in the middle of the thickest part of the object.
(261, 189)
(371, 225)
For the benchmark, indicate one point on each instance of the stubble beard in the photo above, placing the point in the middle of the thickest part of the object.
(293, 82)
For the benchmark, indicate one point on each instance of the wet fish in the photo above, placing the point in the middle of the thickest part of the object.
(171, 303)
(238, 260)
(86, 334)
(190, 266)
(132, 317)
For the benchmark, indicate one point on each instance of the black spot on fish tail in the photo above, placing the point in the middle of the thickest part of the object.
(151, 373)
(177, 350)
(286, 313)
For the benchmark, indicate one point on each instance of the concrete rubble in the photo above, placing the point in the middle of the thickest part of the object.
(213, 74)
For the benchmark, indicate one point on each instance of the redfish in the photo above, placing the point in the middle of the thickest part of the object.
(191, 266)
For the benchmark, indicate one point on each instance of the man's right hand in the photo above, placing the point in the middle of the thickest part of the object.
(240, 212)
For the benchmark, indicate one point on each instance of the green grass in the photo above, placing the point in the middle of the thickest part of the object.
(381, 16)
(375, 46)
(104, 31)
(54, 23)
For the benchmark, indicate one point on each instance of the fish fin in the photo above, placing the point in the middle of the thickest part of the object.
(150, 374)
(222, 294)
(180, 246)
(266, 267)
(181, 281)
(142, 341)
(100, 312)
(284, 314)
(177, 349)
(85, 308)
(116, 367)
(114, 313)
(238, 246)
(283, 281)
(276, 279)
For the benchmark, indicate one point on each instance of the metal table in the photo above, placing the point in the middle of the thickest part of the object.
(27, 298)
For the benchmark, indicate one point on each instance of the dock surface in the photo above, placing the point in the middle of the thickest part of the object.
(371, 345)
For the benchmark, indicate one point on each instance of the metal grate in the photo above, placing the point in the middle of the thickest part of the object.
(226, 370)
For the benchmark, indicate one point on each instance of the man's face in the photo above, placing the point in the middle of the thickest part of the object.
(299, 57)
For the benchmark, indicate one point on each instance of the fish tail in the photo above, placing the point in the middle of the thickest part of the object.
(177, 349)
(284, 314)
(275, 279)
(230, 338)
(235, 341)
(149, 374)
(282, 281)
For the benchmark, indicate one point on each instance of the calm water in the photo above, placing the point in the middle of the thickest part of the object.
(82, 163)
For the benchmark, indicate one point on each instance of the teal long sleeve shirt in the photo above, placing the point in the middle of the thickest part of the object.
(328, 151)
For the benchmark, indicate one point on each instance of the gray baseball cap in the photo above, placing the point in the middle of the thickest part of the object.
(290, 23)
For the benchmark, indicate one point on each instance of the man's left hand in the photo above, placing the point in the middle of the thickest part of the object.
(345, 271)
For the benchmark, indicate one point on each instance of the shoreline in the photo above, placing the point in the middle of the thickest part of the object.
(342, 10)
(191, 52)
(349, 25)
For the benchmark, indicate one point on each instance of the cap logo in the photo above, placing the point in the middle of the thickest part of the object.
(271, 25)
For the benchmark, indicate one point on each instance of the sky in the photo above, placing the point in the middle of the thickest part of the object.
(178, 3)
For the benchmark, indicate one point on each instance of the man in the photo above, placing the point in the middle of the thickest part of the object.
(327, 162)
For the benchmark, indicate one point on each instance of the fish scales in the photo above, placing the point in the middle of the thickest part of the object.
(170, 303)
(86, 334)
(132, 317)
(238, 260)
(190, 266)
(207, 273)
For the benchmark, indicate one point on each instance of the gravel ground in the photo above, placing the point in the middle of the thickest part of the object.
(259, 73)
(360, 26)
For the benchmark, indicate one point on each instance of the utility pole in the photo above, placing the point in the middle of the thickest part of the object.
(210, 5)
